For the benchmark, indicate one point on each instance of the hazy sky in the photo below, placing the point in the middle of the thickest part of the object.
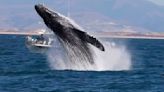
(160, 2)
(21, 13)
(31, 2)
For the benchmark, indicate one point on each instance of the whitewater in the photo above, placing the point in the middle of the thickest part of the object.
(115, 58)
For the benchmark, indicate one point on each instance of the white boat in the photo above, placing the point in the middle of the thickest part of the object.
(39, 41)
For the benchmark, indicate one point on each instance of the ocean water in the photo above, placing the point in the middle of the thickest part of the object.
(24, 71)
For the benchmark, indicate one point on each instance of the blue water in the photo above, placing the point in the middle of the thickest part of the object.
(23, 71)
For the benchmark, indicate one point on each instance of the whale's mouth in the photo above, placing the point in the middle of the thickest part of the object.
(44, 12)
(39, 8)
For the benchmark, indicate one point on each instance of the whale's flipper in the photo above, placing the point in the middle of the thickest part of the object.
(90, 39)
(95, 42)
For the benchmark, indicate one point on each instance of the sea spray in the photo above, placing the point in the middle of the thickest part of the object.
(115, 58)
(66, 56)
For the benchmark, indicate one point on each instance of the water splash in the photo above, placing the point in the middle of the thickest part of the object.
(115, 58)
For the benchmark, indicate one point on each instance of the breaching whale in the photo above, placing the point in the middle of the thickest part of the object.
(69, 34)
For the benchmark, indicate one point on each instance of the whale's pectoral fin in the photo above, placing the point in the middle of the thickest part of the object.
(90, 39)
(95, 42)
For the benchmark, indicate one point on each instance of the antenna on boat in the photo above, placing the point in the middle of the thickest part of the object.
(68, 8)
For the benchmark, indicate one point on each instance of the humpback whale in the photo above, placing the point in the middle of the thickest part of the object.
(69, 34)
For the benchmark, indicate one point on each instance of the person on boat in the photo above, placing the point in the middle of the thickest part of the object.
(40, 39)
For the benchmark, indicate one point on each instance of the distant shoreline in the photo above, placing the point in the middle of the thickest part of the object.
(99, 35)
(130, 37)
(18, 33)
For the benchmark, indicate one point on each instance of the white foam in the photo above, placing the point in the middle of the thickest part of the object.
(115, 58)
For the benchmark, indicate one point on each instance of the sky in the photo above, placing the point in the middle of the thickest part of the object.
(159, 2)
(14, 12)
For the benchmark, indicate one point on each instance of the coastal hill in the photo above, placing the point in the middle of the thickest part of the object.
(141, 14)
(94, 15)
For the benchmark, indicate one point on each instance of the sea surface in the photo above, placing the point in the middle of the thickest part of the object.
(24, 71)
